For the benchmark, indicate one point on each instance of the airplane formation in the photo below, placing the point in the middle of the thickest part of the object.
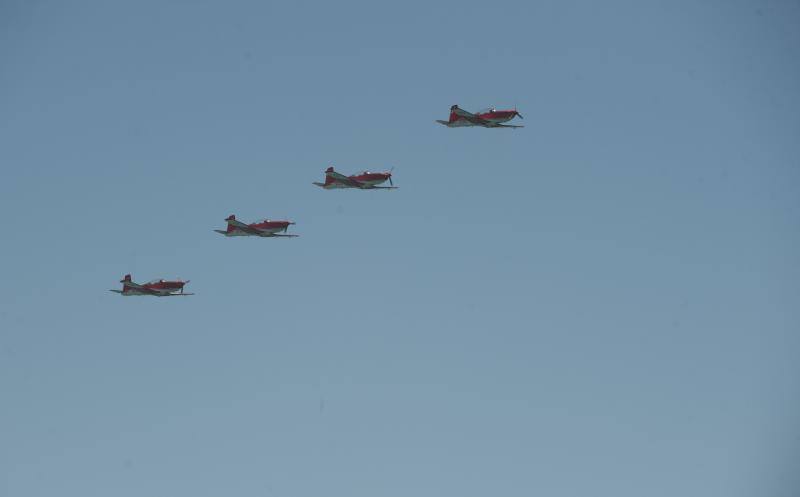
(366, 180)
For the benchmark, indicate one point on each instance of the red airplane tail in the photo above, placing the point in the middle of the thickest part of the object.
(328, 176)
(126, 279)
(453, 115)
(230, 226)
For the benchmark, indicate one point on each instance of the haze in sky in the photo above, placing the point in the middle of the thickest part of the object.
(605, 302)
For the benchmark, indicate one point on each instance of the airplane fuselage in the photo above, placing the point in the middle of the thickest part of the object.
(161, 286)
(495, 116)
(368, 180)
(268, 227)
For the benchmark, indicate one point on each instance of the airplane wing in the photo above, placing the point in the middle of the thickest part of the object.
(497, 125)
(270, 235)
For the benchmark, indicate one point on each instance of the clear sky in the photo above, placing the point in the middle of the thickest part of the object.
(605, 302)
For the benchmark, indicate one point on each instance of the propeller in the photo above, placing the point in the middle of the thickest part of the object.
(390, 176)
(517, 113)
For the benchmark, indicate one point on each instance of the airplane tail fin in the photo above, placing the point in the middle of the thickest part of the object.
(230, 226)
(453, 115)
(125, 280)
(329, 176)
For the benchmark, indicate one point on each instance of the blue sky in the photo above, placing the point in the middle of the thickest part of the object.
(604, 302)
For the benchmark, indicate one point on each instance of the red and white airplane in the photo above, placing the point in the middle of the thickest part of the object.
(264, 228)
(156, 288)
(488, 118)
(364, 181)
